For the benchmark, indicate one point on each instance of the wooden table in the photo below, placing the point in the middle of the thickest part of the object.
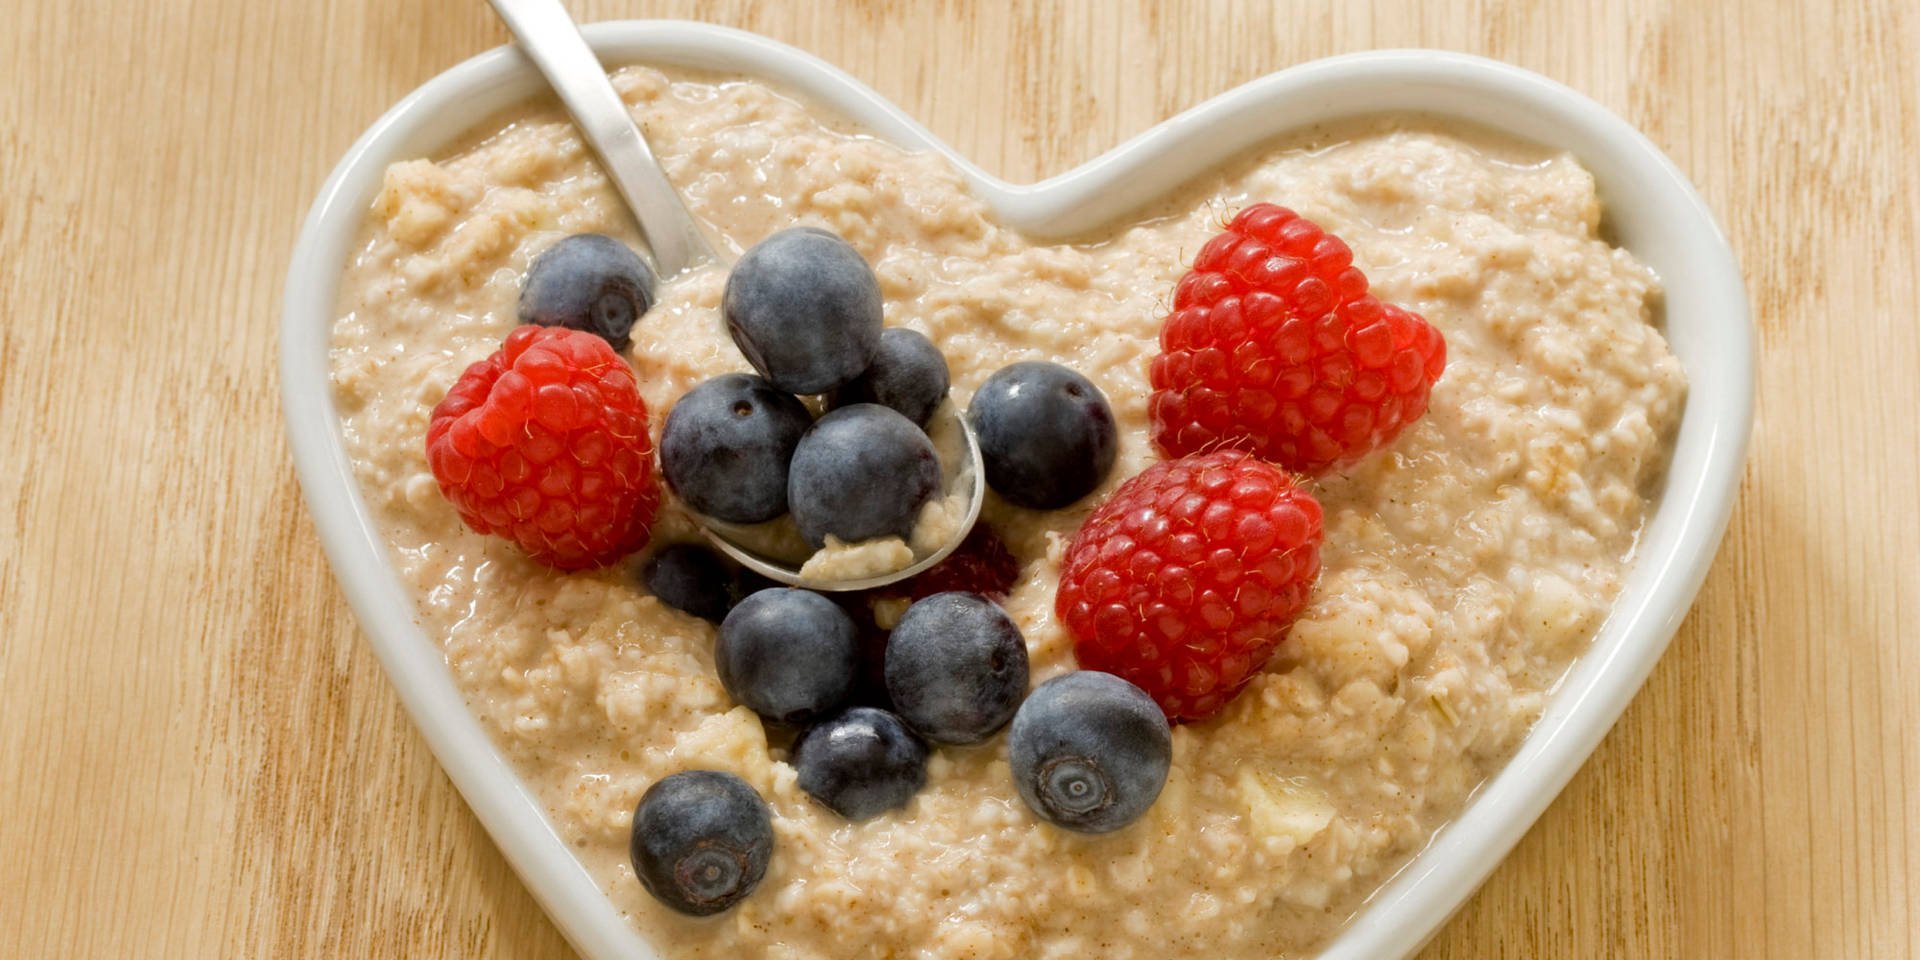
(199, 756)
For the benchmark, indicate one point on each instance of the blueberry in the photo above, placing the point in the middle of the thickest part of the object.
(701, 841)
(788, 655)
(726, 446)
(860, 473)
(589, 282)
(908, 375)
(693, 579)
(1089, 751)
(861, 763)
(956, 667)
(1046, 434)
(804, 306)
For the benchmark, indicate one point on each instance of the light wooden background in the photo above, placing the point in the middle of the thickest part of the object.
(200, 758)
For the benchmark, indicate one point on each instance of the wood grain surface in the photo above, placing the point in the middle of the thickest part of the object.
(199, 756)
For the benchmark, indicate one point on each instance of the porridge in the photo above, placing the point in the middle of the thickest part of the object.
(1463, 569)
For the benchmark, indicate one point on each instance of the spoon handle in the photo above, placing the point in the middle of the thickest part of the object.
(549, 37)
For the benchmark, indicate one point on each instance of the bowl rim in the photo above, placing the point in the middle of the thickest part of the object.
(1655, 212)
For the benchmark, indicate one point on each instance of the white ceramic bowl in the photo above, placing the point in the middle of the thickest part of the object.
(1651, 208)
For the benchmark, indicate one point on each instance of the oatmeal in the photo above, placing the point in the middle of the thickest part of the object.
(1464, 567)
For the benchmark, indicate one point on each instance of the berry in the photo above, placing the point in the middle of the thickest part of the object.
(908, 375)
(726, 446)
(588, 282)
(861, 763)
(1047, 435)
(545, 443)
(804, 307)
(956, 667)
(1185, 580)
(861, 473)
(701, 841)
(980, 564)
(1274, 346)
(693, 579)
(1089, 751)
(788, 655)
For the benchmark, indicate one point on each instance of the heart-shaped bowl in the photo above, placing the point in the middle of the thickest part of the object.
(1651, 209)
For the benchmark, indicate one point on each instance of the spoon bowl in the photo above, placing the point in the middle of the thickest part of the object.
(776, 551)
(678, 241)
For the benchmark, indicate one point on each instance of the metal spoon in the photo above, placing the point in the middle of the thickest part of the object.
(550, 38)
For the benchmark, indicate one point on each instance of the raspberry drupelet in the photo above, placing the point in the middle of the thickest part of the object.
(545, 443)
(1275, 346)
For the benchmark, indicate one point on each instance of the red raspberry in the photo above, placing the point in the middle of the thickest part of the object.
(1275, 346)
(545, 443)
(1188, 578)
(980, 564)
